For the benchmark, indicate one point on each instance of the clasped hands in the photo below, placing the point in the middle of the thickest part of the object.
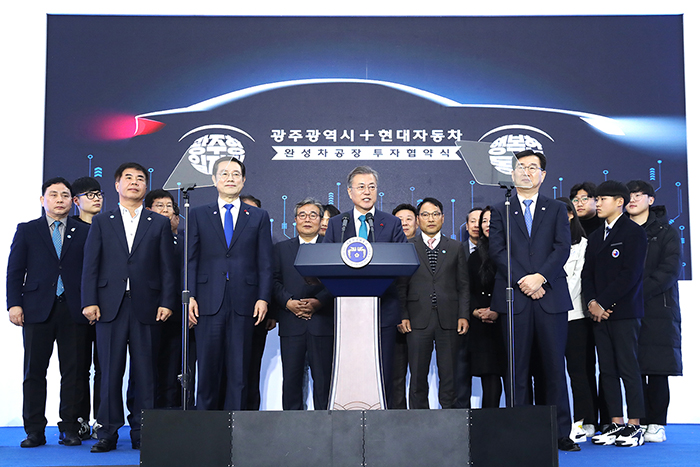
(531, 285)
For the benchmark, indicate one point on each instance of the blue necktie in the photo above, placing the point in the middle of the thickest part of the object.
(528, 215)
(228, 224)
(58, 244)
(363, 227)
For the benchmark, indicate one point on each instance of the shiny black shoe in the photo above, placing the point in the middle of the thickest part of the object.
(33, 440)
(69, 439)
(103, 445)
(565, 444)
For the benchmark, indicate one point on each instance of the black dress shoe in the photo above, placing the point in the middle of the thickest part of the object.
(565, 444)
(103, 445)
(70, 439)
(33, 440)
(136, 444)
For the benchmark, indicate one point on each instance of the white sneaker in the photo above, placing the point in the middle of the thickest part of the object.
(578, 434)
(589, 429)
(631, 436)
(609, 435)
(655, 433)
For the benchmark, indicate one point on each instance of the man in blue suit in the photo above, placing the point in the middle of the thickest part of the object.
(540, 241)
(129, 287)
(305, 315)
(43, 297)
(362, 189)
(230, 263)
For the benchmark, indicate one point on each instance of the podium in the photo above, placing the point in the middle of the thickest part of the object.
(357, 273)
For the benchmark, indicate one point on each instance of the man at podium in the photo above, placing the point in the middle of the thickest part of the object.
(365, 220)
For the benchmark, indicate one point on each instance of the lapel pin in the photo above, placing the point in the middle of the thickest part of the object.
(112, 216)
(215, 212)
(246, 212)
(148, 218)
(543, 208)
(444, 252)
(516, 213)
(381, 225)
(68, 236)
(73, 229)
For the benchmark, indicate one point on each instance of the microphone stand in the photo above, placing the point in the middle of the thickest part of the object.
(510, 402)
(185, 376)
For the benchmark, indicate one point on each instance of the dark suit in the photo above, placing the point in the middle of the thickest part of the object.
(227, 281)
(612, 275)
(387, 229)
(128, 319)
(299, 337)
(434, 323)
(33, 268)
(542, 322)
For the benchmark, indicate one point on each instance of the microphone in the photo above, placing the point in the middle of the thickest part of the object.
(346, 219)
(369, 218)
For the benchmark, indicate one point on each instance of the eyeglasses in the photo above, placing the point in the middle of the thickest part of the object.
(363, 188)
(225, 175)
(581, 200)
(531, 169)
(163, 206)
(311, 215)
(428, 215)
(637, 196)
(92, 194)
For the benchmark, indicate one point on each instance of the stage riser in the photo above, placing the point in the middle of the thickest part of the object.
(523, 436)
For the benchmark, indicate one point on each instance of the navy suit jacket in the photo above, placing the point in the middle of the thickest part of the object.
(247, 263)
(33, 269)
(150, 266)
(387, 229)
(545, 251)
(288, 283)
(614, 267)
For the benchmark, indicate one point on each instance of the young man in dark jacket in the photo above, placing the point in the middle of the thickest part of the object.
(660, 335)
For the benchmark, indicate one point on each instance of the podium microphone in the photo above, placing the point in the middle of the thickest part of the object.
(369, 218)
(346, 219)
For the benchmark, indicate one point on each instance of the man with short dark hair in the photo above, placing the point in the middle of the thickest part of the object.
(660, 335)
(612, 289)
(362, 185)
(129, 286)
(435, 303)
(87, 197)
(230, 266)
(306, 315)
(43, 297)
(540, 246)
(472, 230)
(407, 214)
(583, 197)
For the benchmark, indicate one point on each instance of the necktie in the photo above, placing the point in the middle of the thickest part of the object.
(58, 244)
(228, 224)
(363, 227)
(528, 215)
(607, 231)
(431, 241)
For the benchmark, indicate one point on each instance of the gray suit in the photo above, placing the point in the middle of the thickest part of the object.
(434, 323)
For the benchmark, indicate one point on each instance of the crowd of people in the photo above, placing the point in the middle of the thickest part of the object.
(593, 287)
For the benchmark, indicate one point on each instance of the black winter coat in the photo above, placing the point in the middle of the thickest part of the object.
(660, 336)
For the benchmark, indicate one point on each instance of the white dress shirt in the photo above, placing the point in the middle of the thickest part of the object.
(356, 217)
(130, 226)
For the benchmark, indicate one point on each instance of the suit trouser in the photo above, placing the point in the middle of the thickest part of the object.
(548, 331)
(657, 397)
(398, 399)
(294, 350)
(113, 338)
(581, 366)
(420, 350)
(90, 350)
(224, 342)
(39, 339)
(463, 374)
(617, 343)
(256, 355)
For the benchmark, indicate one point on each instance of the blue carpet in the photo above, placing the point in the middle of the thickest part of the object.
(682, 449)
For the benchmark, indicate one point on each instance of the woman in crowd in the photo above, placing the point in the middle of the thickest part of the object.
(487, 351)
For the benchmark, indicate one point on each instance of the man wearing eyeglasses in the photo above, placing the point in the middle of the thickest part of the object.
(435, 306)
(540, 241)
(582, 195)
(306, 314)
(362, 187)
(230, 271)
(88, 198)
